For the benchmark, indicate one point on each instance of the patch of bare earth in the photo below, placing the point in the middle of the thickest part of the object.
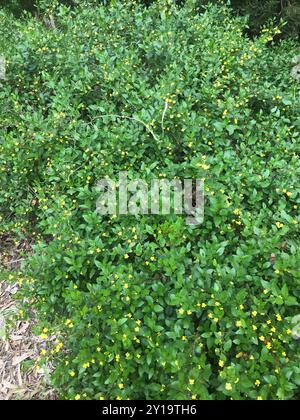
(20, 348)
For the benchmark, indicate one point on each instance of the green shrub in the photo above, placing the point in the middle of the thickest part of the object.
(259, 12)
(149, 307)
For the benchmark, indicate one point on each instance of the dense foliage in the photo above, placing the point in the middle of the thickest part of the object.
(149, 307)
(262, 11)
(259, 11)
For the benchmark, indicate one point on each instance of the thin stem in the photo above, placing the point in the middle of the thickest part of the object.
(126, 117)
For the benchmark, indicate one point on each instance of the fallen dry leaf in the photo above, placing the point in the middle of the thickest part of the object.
(17, 345)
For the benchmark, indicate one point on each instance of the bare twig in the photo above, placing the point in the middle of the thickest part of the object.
(15, 261)
(49, 22)
(163, 117)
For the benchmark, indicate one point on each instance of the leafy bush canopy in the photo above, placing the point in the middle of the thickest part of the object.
(259, 12)
(148, 307)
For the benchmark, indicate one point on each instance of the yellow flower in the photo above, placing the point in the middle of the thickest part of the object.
(262, 338)
(221, 363)
(126, 285)
(279, 225)
(59, 347)
(259, 399)
(77, 398)
(72, 373)
(194, 397)
(181, 311)
(183, 338)
(239, 324)
(121, 386)
(191, 381)
(126, 256)
(86, 365)
(279, 318)
(257, 383)
(228, 387)
(254, 314)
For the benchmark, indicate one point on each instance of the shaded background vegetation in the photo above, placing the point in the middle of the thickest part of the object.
(260, 11)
